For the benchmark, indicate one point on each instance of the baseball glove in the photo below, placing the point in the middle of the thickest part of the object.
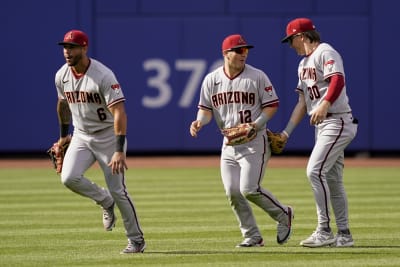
(57, 153)
(240, 134)
(276, 141)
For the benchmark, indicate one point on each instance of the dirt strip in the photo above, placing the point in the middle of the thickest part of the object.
(205, 161)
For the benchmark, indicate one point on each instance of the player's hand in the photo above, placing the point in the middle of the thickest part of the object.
(64, 140)
(319, 114)
(195, 128)
(316, 119)
(284, 136)
(118, 163)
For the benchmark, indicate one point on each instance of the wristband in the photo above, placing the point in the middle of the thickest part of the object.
(203, 119)
(289, 128)
(261, 120)
(119, 145)
(64, 130)
(285, 133)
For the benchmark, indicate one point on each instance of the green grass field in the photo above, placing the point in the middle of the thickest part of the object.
(187, 221)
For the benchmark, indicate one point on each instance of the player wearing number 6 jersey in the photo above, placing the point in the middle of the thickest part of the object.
(233, 94)
(322, 94)
(89, 93)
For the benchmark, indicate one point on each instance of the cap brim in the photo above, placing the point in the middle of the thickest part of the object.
(286, 39)
(68, 43)
(248, 46)
(238, 46)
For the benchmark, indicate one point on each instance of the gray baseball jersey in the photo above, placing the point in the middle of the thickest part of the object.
(239, 99)
(89, 96)
(314, 71)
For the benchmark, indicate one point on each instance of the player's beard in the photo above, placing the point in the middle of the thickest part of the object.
(74, 60)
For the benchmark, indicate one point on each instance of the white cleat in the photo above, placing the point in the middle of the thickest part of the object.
(134, 247)
(344, 240)
(284, 229)
(109, 218)
(255, 241)
(319, 238)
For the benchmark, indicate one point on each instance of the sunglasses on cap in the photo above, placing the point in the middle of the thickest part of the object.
(239, 50)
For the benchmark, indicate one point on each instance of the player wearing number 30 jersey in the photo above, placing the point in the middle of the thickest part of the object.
(322, 95)
(238, 93)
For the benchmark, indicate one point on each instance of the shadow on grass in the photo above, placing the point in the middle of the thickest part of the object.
(306, 251)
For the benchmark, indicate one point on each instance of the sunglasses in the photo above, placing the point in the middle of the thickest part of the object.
(290, 40)
(240, 50)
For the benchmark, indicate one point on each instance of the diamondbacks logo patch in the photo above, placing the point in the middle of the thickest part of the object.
(116, 88)
(329, 64)
(268, 89)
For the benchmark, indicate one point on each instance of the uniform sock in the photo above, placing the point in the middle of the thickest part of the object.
(345, 231)
(326, 229)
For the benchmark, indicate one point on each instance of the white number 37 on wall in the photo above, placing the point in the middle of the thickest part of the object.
(159, 81)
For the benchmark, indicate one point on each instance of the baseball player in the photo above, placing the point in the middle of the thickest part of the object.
(238, 93)
(89, 93)
(322, 95)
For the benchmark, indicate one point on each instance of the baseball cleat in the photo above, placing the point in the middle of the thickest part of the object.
(256, 241)
(319, 238)
(284, 229)
(344, 240)
(134, 247)
(109, 218)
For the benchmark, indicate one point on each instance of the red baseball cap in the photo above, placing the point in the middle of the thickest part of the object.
(234, 41)
(75, 37)
(298, 25)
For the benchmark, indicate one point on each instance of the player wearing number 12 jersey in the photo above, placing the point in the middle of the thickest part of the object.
(90, 95)
(238, 93)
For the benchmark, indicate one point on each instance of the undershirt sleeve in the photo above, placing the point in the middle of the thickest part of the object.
(336, 85)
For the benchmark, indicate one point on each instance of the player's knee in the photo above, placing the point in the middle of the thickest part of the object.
(231, 191)
(69, 181)
(249, 195)
(249, 190)
(313, 173)
(233, 195)
(119, 195)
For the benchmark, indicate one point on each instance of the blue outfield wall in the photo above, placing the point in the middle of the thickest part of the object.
(161, 50)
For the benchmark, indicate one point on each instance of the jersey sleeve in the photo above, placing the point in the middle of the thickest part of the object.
(112, 90)
(332, 63)
(59, 83)
(205, 95)
(268, 95)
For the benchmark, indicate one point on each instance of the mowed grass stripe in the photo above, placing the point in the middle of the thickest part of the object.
(188, 222)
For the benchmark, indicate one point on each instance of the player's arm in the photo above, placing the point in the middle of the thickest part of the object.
(298, 113)
(203, 117)
(64, 119)
(266, 114)
(118, 160)
(120, 118)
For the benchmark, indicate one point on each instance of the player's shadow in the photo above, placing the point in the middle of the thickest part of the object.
(307, 251)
